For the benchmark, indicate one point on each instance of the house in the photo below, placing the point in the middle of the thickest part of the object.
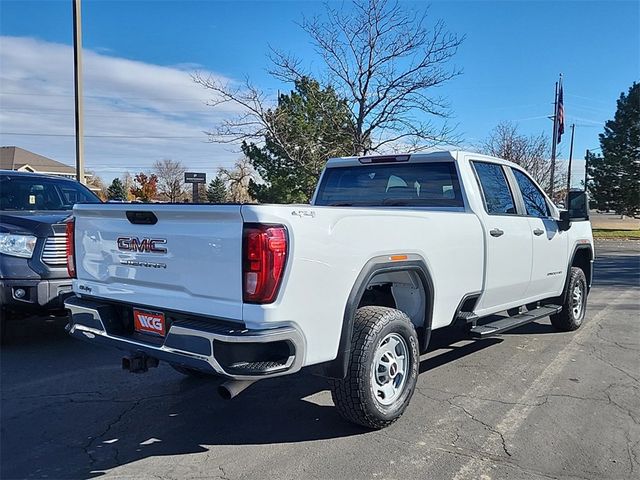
(21, 160)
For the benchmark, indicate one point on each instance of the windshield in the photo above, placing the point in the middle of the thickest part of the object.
(433, 184)
(37, 193)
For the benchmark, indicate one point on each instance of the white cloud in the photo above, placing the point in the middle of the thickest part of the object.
(123, 98)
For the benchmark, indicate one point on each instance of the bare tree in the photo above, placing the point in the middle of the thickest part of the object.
(386, 61)
(237, 181)
(530, 152)
(128, 183)
(383, 60)
(96, 184)
(170, 175)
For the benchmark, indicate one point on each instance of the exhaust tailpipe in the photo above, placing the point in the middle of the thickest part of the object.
(232, 388)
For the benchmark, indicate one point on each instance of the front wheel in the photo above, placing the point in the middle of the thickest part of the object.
(575, 303)
(383, 368)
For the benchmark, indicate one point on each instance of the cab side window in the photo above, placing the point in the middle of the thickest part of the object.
(498, 198)
(534, 200)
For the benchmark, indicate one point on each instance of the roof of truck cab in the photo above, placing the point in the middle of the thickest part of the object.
(440, 155)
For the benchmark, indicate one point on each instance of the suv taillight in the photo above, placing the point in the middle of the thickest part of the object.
(71, 249)
(264, 250)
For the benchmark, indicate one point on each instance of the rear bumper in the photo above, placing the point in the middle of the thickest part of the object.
(203, 344)
(34, 295)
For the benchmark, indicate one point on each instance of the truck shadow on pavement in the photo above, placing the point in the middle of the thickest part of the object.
(85, 420)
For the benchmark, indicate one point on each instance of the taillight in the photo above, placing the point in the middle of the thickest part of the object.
(264, 258)
(71, 249)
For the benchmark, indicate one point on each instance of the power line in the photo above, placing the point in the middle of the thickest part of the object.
(108, 97)
(104, 136)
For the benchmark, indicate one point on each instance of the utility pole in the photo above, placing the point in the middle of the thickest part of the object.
(77, 82)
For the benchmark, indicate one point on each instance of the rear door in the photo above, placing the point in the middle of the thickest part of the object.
(507, 239)
(549, 266)
(175, 257)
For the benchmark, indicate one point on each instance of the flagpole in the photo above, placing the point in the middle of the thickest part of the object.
(573, 130)
(554, 143)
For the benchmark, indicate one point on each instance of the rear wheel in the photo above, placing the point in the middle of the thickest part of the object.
(383, 368)
(575, 303)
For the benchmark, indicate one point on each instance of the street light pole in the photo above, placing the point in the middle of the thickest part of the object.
(77, 82)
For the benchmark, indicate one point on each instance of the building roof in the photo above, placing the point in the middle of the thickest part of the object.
(16, 158)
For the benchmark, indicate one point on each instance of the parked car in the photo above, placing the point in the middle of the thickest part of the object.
(33, 259)
(351, 286)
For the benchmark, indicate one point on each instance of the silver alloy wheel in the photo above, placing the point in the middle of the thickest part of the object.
(577, 300)
(389, 372)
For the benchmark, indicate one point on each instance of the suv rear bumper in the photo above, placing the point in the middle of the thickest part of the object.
(39, 295)
(203, 344)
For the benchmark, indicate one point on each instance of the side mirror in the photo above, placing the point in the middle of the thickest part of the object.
(564, 223)
(578, 210)
(578, 205)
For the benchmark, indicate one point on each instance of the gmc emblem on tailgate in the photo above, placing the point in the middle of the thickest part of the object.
(145, 245)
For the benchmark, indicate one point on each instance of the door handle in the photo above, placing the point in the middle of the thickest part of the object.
(496, 232)
(537, 232)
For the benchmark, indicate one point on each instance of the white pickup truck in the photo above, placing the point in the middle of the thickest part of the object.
(391, 248)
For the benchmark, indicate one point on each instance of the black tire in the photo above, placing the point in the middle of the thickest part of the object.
(573, 308)
(354, 396)
(190, 372)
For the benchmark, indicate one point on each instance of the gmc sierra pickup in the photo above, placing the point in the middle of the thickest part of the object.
(391, 248)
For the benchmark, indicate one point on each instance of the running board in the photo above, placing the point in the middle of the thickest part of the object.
(504, 324)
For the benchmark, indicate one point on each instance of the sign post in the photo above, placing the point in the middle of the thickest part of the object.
(194, 179)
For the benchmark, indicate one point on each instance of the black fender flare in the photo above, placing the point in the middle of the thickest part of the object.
(338, 367)
(578, 247)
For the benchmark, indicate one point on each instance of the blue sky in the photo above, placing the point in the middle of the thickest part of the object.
(139, 56)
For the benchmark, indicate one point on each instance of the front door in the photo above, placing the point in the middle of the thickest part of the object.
(507, 238)
(549, 268)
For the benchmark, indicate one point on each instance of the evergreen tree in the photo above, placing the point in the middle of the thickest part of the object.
(116, 190)
(614, 177)
(217, 191)
(308, 126)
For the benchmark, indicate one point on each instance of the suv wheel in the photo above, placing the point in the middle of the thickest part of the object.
(575, 303)
(383, 368)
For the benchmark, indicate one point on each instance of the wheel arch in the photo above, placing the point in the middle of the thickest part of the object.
(581, 257)
(414, 264)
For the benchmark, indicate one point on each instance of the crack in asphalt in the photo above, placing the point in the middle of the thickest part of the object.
(86, 447)
(488, 426)
(135, 404)
(593, 352)
(224, 474)
(599, 334)
(474, 454)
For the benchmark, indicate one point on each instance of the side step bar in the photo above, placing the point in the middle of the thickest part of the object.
(504, 324)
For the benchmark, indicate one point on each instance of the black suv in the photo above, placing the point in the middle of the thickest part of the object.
(33, 267)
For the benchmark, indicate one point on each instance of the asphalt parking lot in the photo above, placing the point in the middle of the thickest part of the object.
(531, 404)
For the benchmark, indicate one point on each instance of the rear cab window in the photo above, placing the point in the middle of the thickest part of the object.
(498, 198)
(430, 184)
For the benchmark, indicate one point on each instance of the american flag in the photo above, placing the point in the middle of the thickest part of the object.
(560, 113)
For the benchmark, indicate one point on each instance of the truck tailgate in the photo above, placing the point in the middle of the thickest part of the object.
(188, 260)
